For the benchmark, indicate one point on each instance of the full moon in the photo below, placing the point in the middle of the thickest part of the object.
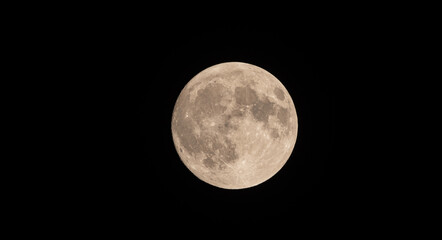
(234, 125)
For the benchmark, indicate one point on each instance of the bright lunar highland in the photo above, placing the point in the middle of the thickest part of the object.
(234, 125)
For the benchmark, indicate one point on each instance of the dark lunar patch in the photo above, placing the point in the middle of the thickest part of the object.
(279, 93)
(275, 133)
(283, 116)
(245, 96)
(181, 150)
(209, 163)
(262, 110)
(207, 102)
(227, 124)
(215, 146)
(223, 128)
(228, 152)
(237, 113)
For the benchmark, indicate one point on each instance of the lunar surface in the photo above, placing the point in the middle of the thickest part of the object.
(234, 125)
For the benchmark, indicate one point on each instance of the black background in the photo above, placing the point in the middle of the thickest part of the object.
(99, 82)
(132, 174)
(302, 184)
(307, 185)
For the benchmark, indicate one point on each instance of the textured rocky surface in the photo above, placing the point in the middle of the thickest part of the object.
(234, 125)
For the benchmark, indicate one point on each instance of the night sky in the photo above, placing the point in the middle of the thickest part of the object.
(305, 185)
(135, 172)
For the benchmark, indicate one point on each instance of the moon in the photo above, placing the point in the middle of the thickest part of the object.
(234, 125)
